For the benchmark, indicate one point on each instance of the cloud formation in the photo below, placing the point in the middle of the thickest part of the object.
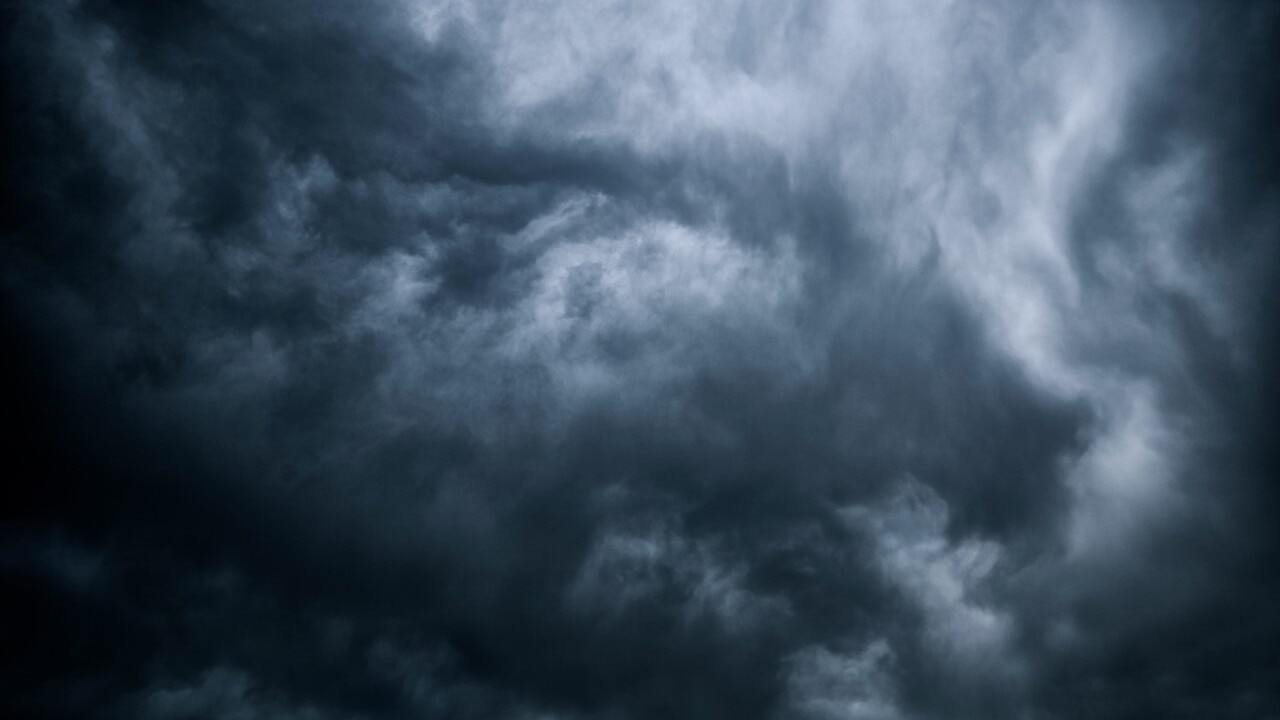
(735, 359)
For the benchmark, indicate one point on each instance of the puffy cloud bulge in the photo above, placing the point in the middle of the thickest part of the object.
(566, 359)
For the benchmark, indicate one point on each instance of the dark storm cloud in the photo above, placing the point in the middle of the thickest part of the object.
(822, 360)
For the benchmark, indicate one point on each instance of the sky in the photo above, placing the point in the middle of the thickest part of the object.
(569, 360)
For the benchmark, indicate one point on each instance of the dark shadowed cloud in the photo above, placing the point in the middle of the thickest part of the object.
(830, 360)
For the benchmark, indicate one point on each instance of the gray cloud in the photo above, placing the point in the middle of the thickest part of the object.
(483, 359)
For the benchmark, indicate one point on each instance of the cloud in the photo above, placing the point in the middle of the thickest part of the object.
(823, 684)
(942, 577)
(559, 359)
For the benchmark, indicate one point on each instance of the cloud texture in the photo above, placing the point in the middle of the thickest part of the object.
(556, 359)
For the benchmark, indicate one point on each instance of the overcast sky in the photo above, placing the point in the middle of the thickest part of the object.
(599, 359)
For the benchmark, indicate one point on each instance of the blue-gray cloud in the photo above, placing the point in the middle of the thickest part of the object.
(582, 360)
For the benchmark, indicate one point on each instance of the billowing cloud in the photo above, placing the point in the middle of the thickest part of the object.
(623, 360)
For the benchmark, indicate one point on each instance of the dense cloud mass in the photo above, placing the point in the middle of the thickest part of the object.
(825, 359)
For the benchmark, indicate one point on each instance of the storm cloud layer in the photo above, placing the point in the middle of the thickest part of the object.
(567, 359)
